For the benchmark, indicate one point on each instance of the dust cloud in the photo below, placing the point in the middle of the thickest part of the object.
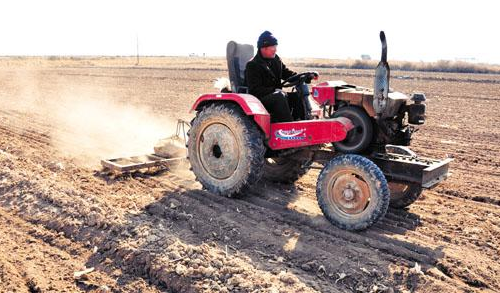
(86, 124)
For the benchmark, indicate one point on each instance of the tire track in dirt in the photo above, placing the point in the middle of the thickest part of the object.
(40, 260)
(294, 222)
(247, 216)
(321, 229)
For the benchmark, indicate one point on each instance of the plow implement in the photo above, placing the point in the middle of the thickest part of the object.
(426, 172)
(168, 152)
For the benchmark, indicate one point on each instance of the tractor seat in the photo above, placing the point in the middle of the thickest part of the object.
(237, 56)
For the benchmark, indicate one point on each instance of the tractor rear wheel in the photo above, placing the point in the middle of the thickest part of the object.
(352, 192)
(403, 194)
(225, 149)
(358, 138)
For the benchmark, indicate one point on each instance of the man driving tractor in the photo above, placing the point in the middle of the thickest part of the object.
(264, 74)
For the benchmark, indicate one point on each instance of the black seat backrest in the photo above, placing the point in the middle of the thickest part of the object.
(237, 56)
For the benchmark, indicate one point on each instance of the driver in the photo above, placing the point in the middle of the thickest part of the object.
(263, 76)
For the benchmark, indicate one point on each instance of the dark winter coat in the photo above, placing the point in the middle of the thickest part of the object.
(263, 76)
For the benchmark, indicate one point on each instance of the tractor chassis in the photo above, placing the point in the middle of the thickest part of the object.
(400, 164)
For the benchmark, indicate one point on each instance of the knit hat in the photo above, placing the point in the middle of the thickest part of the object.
(266, 39)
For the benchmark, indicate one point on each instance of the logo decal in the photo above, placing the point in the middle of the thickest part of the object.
(315, 93)
(292, 134)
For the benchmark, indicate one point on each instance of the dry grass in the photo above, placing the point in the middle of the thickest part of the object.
(439, 66)
(215, 63)
(219, 63)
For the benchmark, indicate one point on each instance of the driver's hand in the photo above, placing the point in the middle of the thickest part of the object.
(312, 75)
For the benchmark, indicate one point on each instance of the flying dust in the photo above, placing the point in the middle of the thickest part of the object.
(86, 124)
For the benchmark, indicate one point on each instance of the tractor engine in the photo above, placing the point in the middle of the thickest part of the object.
(394, 125)
(380, 115)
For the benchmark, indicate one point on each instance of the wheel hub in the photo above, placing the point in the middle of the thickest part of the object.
(350, 194)
(218, 151)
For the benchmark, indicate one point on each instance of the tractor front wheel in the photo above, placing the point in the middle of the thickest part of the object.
(225, 149)
(352, 192)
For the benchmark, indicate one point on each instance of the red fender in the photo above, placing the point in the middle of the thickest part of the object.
(248, 103)
(285, 135)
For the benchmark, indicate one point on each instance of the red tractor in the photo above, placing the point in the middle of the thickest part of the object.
(359, 135)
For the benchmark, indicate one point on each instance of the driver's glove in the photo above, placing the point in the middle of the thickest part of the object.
(312, 75)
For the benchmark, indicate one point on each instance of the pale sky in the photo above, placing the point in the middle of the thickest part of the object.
(415, 30)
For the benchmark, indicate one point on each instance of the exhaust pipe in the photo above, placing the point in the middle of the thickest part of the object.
(381, 84)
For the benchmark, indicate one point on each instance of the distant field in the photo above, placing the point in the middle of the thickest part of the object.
(219, 62)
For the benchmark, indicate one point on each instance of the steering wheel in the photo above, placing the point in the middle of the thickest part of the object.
(300, 78)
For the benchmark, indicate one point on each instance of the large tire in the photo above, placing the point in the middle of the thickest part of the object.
(225, 149)
(352, 192)
(403, 194)
(284, 169)
(359, 138)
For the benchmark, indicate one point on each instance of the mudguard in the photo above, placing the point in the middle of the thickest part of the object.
(248, 103)
(285, 135)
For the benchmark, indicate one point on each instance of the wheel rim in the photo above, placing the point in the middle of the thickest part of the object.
(348, 193)
(218, 150)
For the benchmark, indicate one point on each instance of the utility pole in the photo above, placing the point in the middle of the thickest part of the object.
(137, 47)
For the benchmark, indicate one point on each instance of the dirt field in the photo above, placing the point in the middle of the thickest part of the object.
(147, 232)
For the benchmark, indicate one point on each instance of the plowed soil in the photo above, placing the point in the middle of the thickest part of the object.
(159, 231)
